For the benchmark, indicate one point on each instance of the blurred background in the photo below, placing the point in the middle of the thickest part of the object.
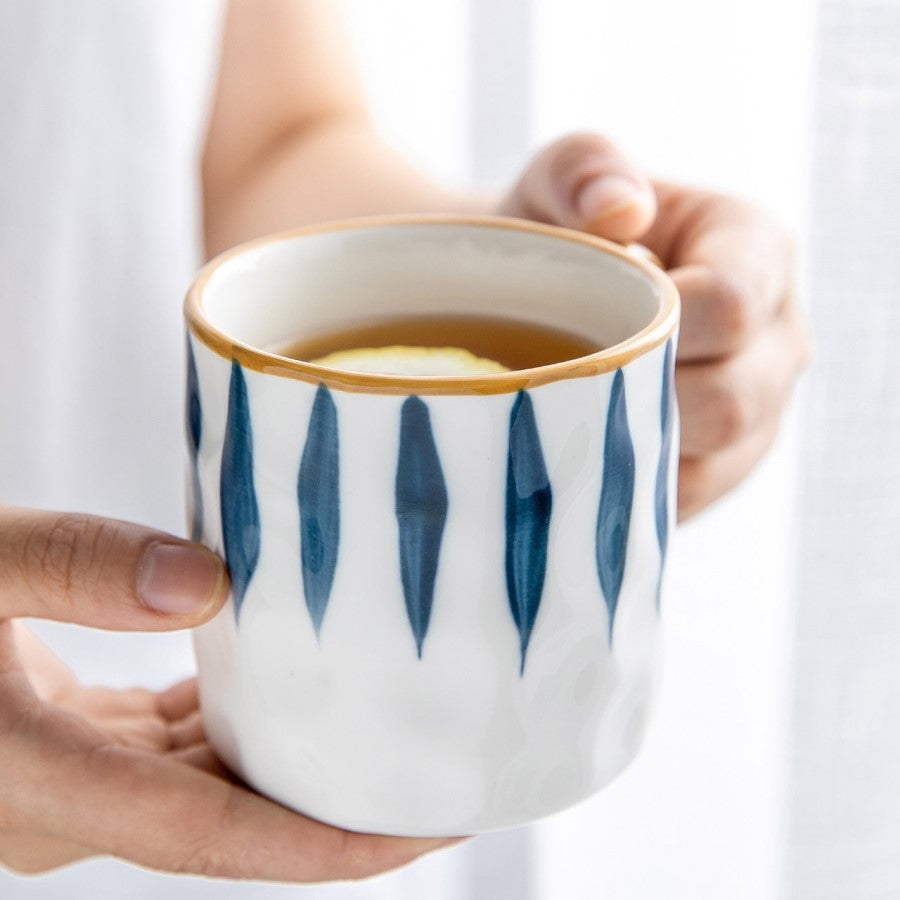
(771, 769)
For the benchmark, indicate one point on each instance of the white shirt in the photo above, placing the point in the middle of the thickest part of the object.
(104, 108)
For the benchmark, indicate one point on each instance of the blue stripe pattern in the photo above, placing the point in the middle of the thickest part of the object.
(616, 498)
(529, 502)
(319, 501)
(421, 501)
(421, 508)
(667, 420)
(194, 428)
(240, 512)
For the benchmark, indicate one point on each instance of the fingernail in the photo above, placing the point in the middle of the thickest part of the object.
(179, 579)
(601, 197)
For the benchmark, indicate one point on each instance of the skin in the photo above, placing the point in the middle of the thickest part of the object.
(93, 771)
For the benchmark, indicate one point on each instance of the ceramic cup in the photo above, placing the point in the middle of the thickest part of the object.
(445, 590)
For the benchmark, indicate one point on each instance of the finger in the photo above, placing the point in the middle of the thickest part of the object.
(166, 815)
(703, 480)
(200, 756)
(103, 573)
(585, 182)
(101, 702)
(179, 700)
(733, 265)
(723, 401)
(186, 732)
(142, 732)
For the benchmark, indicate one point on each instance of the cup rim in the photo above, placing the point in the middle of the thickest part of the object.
(656, 332)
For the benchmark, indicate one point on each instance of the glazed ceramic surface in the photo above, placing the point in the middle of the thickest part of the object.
(445, 592)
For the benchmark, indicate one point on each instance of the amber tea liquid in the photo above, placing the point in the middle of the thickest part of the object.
(515, 344)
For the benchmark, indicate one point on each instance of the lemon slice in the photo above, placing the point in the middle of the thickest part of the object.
(402, 360)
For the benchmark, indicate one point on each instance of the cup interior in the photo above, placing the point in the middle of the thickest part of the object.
(303, 284)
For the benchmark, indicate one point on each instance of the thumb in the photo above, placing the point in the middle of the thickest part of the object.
(104, 573)
(584, 181)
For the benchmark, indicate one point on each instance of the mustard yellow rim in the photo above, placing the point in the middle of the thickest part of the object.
(655, 333)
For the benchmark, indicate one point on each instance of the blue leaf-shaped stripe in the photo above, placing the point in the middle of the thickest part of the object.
(616, 497)
(240, 513)
(667, 420)
(318, 489)
(529, 502)
(421, 507)
(194, 428)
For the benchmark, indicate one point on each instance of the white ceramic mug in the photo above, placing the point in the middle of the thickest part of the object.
(445, 590)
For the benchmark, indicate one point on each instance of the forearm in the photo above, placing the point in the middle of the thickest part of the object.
(336, 169)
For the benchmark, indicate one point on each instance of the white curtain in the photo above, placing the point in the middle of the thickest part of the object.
(844, 795)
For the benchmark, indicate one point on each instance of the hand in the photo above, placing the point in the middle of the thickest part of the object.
(92, 771)
(743, 340)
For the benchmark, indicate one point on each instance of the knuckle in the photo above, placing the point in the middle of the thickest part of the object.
(733, 306)
(731, 415)
(735, 419)
(581, 143)
(50, 553)
(68, 555)
(567, 157)
(757, 216)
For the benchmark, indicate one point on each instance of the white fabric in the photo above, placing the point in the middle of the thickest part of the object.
(103, 107)
(844, 840)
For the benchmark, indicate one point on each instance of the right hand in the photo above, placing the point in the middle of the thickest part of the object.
(743, 337)
(95, 771)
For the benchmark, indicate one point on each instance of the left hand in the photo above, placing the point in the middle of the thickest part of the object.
(743, 340)
(186, 812)
(89, 771)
